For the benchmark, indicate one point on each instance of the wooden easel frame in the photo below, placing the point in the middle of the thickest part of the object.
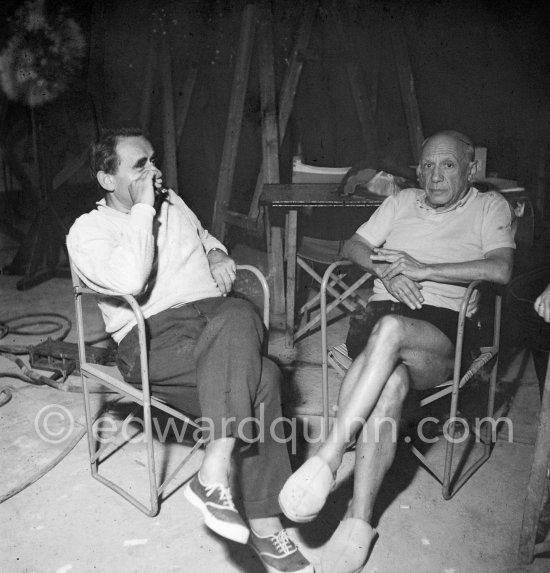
(273, 132)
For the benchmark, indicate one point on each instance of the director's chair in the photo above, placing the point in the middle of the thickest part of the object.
(338, 358)
(314, 250)
(111, 379)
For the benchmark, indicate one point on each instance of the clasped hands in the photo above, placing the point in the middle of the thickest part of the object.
(402, 276)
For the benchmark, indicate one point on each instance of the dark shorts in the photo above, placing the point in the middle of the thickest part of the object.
(444, 319)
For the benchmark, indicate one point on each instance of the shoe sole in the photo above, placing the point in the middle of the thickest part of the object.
(293, 516)
(270, 569)
(219, 527)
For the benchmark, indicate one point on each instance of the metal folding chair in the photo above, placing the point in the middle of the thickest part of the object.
(451, 482)
(111, 379)
(315, 250)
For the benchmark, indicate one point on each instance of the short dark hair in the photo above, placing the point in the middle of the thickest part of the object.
(103, 155)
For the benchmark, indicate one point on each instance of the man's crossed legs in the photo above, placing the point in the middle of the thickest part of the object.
(210, 350)
(401, 353)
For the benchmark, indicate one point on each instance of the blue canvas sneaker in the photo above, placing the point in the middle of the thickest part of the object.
(279, 554)
(218, 509)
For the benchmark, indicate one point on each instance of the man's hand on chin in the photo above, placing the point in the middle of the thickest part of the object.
(223, 270)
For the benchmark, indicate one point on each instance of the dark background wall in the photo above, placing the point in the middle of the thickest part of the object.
(480, 67)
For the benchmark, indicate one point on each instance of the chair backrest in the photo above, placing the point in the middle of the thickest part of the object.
(303, 173)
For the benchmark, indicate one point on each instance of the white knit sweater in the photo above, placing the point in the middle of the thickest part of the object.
(160, 260)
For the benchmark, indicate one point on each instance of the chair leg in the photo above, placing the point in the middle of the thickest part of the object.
(450, 486)
(95, 455)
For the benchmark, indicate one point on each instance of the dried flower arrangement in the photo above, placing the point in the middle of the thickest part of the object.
(43, 53)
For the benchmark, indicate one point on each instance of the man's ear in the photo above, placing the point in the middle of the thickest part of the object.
(418, 172)
(105, 180)
(473, 169)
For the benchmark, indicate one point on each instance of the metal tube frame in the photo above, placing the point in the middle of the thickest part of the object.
(449, 486)
(141, 397)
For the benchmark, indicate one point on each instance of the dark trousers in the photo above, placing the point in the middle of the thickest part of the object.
(205, 358)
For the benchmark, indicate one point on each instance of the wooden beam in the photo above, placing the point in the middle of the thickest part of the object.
(537, 480)
(406, 84)
(148, 77)
(185, 102)
(376, 39)
(294, 70)
(245, 222)
(169, 160)
(234, 121)
(70, 169)
(269, 170)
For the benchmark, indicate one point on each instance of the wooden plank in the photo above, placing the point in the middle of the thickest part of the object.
(294, 71)
(537, 479)
(542, 179)
(234, 121)
(362, 104)
(269, 170)
(292, 231)
(377, 39)
(286, 104)
(270, 134)
(185, 102)
(290, 84)
(169, 160)
(70, 169)
(148, 77)
(243, 221)
(363, 108)
(406, 85)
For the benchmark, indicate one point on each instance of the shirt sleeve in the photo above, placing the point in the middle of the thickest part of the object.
(377, 228)
(111, 256)
(208, 241)
(498, 226)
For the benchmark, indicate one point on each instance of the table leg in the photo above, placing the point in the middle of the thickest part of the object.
(537, 479)
(291, 233)
(275, 261)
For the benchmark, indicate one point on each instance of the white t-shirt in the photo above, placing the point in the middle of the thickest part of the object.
(475, 225)
(162, 261)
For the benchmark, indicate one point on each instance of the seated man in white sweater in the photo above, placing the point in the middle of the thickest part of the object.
(203, 346)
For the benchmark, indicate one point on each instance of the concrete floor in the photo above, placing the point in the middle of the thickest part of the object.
(68, 522)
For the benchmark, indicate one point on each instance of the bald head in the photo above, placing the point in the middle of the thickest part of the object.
(458, 140)
(446, 168)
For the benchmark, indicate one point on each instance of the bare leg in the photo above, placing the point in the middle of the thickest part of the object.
(376, 445)
(216, 464)
(416, 344)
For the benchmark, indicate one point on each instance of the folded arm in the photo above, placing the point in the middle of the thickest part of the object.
(495, 267)
(403, 288)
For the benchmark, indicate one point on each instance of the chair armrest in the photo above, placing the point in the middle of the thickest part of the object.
(81, 286)
(472, 286)
(265, 289)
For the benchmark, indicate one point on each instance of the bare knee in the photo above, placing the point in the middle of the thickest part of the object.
(388, 331)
